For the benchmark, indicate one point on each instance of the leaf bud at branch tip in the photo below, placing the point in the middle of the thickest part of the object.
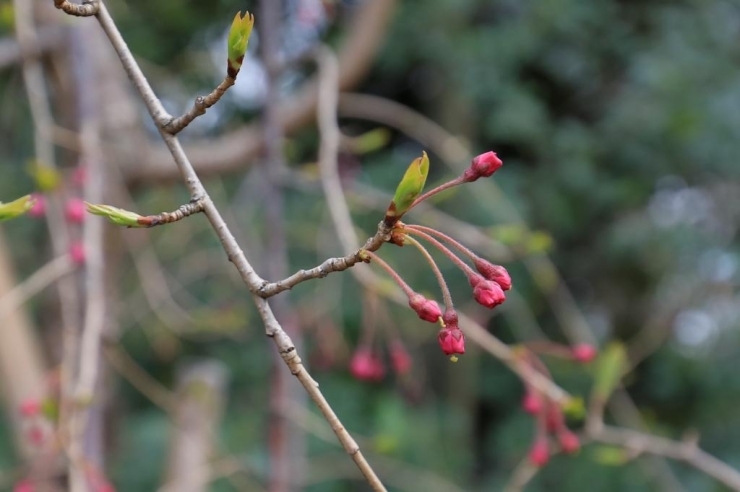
(238, 41)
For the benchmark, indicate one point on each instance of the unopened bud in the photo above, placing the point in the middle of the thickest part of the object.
(584, 353)
(366, 366)
(451, 340)
(482, 166)
(569, 442)
(539, 454)
(74, 211)
(494, 273)
(487, 293)
(532, 403)
(427, 309)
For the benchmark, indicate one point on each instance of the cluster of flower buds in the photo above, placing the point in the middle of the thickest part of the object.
(37, 428)
(48, 180)
(548, 414)
(368, 365)
(487, 281)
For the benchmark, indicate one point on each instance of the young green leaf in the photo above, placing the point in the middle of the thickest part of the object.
(15, 208)
(609, 370)
(46, 178)
(408, 189)
(238, 40)
(117, 215)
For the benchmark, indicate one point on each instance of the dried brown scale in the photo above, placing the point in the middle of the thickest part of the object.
(87, 9)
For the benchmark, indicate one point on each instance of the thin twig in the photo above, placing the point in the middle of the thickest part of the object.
(201, 104)
(687, 452)
(253, 281)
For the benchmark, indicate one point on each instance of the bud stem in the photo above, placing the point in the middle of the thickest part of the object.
(444, 249)
(404, 286)
(445, 186)
(437, 273)
(444, 237)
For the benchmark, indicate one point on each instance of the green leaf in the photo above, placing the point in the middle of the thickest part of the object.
(46, 178)
(15, 208)
(117, 215)
(238, 41)
(611, 455)
(609, 370)
(410, 187)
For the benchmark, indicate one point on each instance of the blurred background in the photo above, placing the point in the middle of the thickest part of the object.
(616, 213)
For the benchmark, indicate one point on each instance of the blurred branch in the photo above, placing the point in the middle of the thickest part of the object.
(201, 397)
(252, 280)
(47, 40)
(38, 281)
(43, 121)
(235, 150)
(685, 451)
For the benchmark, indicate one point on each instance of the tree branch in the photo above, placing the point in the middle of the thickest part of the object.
(273, 329)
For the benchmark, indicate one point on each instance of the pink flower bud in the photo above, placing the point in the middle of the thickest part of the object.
(487, 293)
(554, 421)
(39, 206)
(494, 273)
(400, 358)
(539, 454)
(77, 253)
(366, 366)
(30, 408)
(35, 435)
(584, 353)
(483, 165)
(532, 403)
(451, 340)
(79, 176)
(75, 211)
(24, 485)
(427, 309)
(568, 441)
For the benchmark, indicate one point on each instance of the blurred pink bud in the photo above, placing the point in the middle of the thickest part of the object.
(494, 273)
(366, 366)
(569, 442)
(483, 165)
(30, 407)
(79, 176)
(75, 210)
(77, 253)
(584, 353)
(105, 487)
(532, 403)
(487, 293)
(38, 209)
(35, 435)
(539, 454)
(451, 340)
(554, 421)
(400, 358)
(427, 309)
(24, 485)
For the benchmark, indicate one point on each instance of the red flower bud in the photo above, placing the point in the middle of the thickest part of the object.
(584, 353)
(400, 358)
(75, 211)
(532, 403)
(483, 165)
(427, 309)
(77, 253)
(539, 454)
(366, 366)
(494, 273)
(487, 293)
(451, 340)
(30, 407)
(24, 485)
(39, 206)
(554, 421)
(568, 441)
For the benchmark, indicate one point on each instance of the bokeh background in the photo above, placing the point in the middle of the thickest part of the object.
(616, 213)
